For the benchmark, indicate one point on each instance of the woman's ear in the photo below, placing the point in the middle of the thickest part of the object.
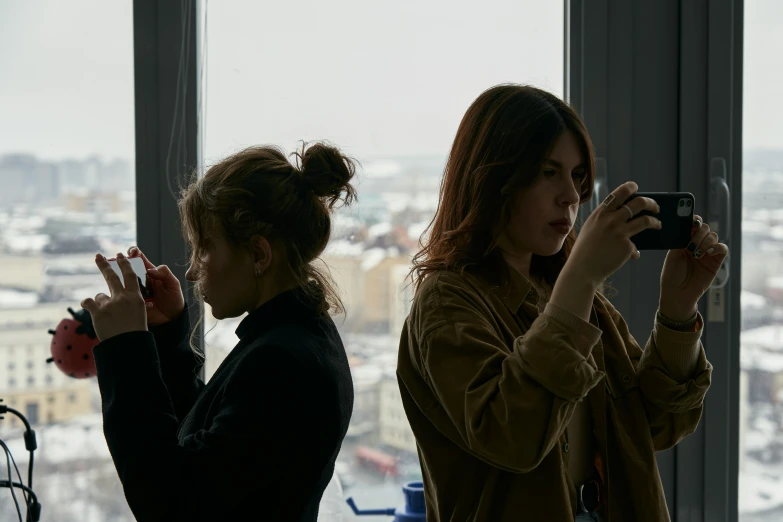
(262, 253)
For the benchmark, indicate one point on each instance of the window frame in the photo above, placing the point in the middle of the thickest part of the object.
(168, 134)
(610, 58)
(618, 57)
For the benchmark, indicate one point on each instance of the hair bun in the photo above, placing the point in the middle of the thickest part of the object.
(328, 172)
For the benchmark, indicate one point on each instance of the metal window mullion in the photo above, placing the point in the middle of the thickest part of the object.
(167, 145)
(724, 118)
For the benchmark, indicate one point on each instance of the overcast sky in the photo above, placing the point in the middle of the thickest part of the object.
(377, 79)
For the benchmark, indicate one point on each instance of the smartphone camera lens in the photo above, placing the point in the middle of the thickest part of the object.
(682, 202)
(688, 203)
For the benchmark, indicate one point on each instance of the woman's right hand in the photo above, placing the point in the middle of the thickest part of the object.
(168, 302)
(604, 242)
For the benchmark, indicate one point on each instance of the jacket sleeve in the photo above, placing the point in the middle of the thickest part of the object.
(196, 479)
(507, 405)
(179, 365)
(674, 376)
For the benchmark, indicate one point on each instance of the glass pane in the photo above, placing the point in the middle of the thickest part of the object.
(67, 191)
(761, 356)
(388, 83)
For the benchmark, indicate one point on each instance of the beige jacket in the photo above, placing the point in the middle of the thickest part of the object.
(489, 386)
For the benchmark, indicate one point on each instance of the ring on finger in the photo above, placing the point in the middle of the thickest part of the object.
(608, 201)
(630, 212)
(703, 248)
(700, 252)
(708, 247)
(693, 247)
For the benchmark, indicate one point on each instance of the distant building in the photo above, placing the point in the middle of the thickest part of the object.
(24, 179)
(761, 357)
(347, 274)
(92, 201)
(400, 297)
(364, 420)
(373, 286)
(744, 417)
(756, 310)
(394, 429)
(385, 293)
(21, 273)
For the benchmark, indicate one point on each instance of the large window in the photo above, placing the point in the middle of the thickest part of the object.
(761, 356)
(66, 192)
(389, 84)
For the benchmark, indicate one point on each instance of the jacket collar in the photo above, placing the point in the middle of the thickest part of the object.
(518, 290)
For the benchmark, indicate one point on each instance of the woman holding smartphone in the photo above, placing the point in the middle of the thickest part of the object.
(260, 440)
(528, 396)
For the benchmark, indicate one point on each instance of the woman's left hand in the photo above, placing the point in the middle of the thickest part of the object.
(688, 272)
(124, 311)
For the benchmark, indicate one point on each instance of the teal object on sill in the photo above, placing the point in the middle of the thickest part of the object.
(414, 510)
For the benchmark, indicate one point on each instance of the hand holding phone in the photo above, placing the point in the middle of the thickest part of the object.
(169, 302)
(140, 270)
(603, 244)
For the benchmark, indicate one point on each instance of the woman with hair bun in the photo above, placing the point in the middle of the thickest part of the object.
(260, 440)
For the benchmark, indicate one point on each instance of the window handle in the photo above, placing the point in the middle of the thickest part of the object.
(719, 213)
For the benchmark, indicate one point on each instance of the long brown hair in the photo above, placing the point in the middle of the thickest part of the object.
(500, 146)
(258, 191)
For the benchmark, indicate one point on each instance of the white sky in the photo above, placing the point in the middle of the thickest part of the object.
(390, 78)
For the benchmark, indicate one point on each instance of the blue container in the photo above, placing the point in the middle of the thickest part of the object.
(414, 510)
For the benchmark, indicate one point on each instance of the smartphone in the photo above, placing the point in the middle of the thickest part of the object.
(137, 263)
(676, 219)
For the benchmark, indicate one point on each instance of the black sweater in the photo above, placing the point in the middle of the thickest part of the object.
(258, 442)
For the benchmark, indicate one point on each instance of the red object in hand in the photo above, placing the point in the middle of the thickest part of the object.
(72, 345)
